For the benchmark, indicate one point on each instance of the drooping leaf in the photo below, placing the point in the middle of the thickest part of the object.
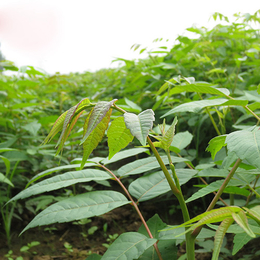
(61, 181)
(118, 136)
(246, 145)
(96, 116)
(216, 144)
(60, 122)
(6, 180)
(208, 217)
(95, 136)
(128, 246)
(241, 219)
(254, 213)
(139, 125)
(7, 164)
(132, 105)
(85, 205)
(218, 240)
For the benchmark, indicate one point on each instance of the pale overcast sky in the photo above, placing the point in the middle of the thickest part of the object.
(79, 35)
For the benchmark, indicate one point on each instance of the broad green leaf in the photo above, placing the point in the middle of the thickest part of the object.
(218, 240)
(6, 180)
(216, 144)
(196, 106)
(124, 154)
(146, 164)
(139, 125)
(167, 138)
(118, 136)
(96, 116)
(182, 140)
(61, 181)
(128, 246)
(167, 84)
(7, 149)
(85, 205)
(95, 136)
(155, 184)
(246, 145)
(239, 241)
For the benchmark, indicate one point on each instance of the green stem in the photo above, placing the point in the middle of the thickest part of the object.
(190, 241)
(136, 208)
(213, 121)
(220, 191)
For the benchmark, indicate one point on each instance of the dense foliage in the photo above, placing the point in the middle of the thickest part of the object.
(210, 82)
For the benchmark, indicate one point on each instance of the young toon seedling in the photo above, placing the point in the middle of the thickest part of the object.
(120, 133)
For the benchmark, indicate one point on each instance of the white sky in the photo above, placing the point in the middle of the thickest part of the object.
(79, 35)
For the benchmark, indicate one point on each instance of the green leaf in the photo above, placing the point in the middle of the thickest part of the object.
(254, 213)
(81, 206)
(56, 169)
(4, 179)
(239, 241)
(95, 136)
(118, 136)
(61, 181)
(139, 125)
(124, 154)
(146, 164)
(212, 216)
(155, 184)
(168, 136)
(196, 106)
(225, 224)
(214, 186)
(132, 105)
(96, 116)
(182, 140)
(7, 164)
(63, 120)
(216, 144)
(205, 88)
(32, 127)
(128, 246)
(246, 145)
(241, 219)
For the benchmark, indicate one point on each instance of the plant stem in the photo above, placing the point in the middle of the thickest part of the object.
(190, 241)
(220, 191)
(136, 208)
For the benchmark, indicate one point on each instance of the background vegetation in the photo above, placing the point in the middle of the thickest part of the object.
(227, 56)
